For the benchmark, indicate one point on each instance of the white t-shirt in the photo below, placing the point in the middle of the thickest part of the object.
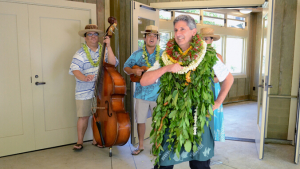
(219, 68)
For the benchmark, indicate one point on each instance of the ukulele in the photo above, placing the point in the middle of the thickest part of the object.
(135, 78)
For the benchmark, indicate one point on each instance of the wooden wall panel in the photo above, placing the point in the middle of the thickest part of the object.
(241, 86)
(164, 1)
(233, 90)
(247, 89)
(282, 68)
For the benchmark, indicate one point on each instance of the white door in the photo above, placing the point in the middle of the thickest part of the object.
(16, 114)
(54, 40)
(264, 86)
(141, 16)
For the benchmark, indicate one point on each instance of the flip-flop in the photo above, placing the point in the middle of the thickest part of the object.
(78, 145)
(138, 151)
(97, 145)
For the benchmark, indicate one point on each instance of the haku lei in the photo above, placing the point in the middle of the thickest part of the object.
(88, 55)
(145, 55)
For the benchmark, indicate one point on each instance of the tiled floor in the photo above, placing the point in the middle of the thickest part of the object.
(239, 122)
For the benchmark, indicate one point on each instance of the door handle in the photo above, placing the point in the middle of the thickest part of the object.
(40, 83)
(262, 86)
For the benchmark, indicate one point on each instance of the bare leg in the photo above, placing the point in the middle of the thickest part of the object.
(141, 128)
(94, 141)
(82, 124)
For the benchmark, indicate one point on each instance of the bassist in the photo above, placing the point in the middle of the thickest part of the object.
(84, 67)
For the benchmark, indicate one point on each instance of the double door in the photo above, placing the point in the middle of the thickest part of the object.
(37, 101)
(266, 50)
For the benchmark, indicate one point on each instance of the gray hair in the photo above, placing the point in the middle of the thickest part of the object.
(188, 19)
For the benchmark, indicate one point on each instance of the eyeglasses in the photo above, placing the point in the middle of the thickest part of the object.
(91, 34)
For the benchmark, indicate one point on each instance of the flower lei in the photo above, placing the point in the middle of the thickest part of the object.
(88, 55)
(183, 108)
(190, 59)
(145, 55)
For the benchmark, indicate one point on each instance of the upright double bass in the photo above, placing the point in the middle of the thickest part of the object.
(111, 123)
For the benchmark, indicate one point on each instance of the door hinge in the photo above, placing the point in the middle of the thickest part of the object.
(30, 79)
(90, 21)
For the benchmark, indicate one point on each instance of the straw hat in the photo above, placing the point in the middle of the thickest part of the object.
(209, 32)
(89, 28)
(151, 29)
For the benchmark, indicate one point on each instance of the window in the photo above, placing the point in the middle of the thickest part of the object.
(140, 44)
(164, 38)
(195, 16)
(236, 22)
(235, 17)
(211, 18)
(235, 55)
(218, 45)
(213, 21)
(212, 14)
(165, 15)
(191, 11)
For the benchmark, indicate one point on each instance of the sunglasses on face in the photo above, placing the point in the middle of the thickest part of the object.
(91, 34)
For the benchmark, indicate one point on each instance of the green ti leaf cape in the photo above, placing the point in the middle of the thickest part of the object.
(177, 103)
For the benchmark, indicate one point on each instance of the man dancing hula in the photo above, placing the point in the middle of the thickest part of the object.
(183, 127)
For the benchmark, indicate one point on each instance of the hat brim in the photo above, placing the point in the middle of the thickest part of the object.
(215, 37)
(143, 32)
(82, 32)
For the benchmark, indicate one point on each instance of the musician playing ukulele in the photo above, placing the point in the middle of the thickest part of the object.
(145, 96)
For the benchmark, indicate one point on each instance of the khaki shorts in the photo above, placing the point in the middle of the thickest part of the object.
(83, 108)
(142, 108)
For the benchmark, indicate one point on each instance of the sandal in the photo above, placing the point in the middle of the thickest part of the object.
(78, 145)
(97, 145)
(137, 151)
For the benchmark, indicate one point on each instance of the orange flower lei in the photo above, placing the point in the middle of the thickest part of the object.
(176, 54)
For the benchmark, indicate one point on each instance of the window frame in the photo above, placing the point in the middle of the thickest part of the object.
(243, 73)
